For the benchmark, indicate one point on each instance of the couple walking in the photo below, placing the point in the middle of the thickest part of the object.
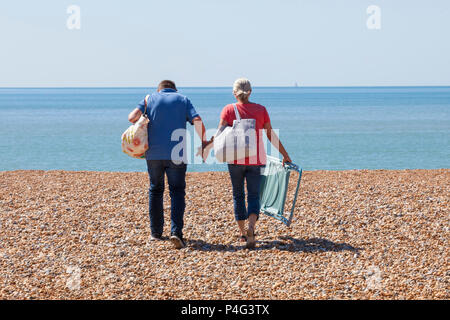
(168, 111)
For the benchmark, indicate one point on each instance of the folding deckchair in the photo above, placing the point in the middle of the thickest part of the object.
(274, 188)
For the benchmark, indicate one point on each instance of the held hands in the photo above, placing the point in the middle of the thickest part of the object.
(205, 149)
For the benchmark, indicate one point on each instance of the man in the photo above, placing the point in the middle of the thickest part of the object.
(168, 112)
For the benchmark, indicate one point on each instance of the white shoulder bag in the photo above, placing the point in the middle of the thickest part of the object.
(236, 142)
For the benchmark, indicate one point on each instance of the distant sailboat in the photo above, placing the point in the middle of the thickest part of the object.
(296, 84)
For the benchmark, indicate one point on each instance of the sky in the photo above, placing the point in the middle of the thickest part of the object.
(211, 43)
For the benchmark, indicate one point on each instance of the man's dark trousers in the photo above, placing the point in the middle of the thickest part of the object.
(176, 177)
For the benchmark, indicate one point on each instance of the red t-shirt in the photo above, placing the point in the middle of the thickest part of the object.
(250, 111)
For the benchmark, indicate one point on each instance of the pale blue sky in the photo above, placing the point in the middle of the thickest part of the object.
(212, 42)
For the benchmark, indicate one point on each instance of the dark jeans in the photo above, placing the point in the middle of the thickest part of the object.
(176, 177)
(238, 174)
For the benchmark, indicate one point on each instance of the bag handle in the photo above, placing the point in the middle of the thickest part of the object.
(146, 103)
(236, 112)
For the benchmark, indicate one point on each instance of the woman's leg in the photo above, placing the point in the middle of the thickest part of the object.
(242, 229)
(253, 177)
(237, 181)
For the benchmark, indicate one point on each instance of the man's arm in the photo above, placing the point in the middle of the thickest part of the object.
(199, 128)
(134, 115)
(201, 131)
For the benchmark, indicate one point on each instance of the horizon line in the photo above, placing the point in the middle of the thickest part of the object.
(275, 86)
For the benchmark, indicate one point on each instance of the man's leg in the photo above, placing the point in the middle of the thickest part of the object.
(176, 177)
(156, 191)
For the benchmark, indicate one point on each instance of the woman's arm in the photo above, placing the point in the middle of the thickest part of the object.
(222, 123)
(273, 138)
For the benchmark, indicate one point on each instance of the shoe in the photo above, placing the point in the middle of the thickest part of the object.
(250, 239)
(177, 241)
(156, 237)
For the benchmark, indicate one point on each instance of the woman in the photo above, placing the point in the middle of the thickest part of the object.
(250, 169)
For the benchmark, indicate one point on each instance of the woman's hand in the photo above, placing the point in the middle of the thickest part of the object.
(286, 158)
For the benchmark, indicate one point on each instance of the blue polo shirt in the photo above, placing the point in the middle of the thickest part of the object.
(167, 111)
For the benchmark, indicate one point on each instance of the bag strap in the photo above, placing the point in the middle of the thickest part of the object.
(236, 112)
(146, 103)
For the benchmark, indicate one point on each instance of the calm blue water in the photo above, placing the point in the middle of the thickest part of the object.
(322, 128)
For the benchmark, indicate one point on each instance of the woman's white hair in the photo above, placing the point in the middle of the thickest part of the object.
(242, 88)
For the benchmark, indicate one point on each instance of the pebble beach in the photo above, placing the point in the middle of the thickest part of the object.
(358, 234)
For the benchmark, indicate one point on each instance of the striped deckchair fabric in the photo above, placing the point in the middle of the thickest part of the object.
(274, 188)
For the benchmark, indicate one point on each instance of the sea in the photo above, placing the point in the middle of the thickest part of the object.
(322, 128)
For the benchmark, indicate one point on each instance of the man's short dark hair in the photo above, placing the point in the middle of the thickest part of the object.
(167, 84)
